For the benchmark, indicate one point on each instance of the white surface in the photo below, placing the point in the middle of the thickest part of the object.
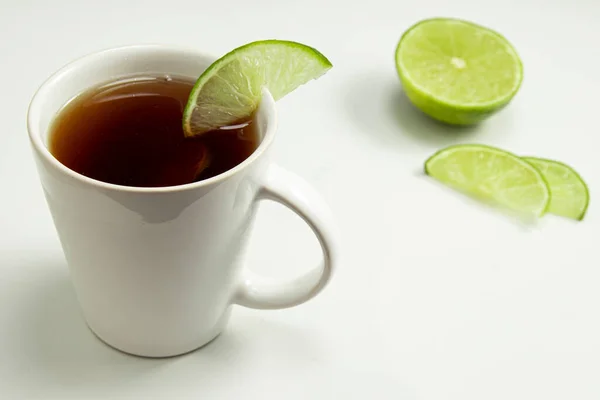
(435, 298)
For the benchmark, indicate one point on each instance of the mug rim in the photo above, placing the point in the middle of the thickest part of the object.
(35, 136)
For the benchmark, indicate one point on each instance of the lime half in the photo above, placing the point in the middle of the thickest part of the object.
(569, 193)
(492, 175)
(230, 90)
(456, 71)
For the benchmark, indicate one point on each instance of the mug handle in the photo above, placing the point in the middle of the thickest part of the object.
(291, 191)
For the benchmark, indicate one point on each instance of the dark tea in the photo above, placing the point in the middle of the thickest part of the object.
(130, 133)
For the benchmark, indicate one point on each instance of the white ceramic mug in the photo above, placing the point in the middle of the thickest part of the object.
(156, 270)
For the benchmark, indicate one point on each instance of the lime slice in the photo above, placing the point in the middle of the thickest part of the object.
(492, 175)
(230, 90)
(456, 71)
(569, 193)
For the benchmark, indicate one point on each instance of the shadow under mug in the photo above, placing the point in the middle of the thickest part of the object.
(156, 270)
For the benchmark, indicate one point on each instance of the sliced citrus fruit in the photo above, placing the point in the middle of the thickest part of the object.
(230, 90)
(456, 71)
(491, 175)
(569, 193)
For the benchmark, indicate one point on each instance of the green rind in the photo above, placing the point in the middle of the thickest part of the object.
(476, 147)
(534, 160)
(446, 111)
(232, 55)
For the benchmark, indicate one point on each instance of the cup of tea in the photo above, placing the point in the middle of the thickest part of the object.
(154, 226)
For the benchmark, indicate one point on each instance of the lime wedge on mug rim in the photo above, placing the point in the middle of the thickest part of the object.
(229, 91)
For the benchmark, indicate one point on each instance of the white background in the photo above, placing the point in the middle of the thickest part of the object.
(436, 297)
